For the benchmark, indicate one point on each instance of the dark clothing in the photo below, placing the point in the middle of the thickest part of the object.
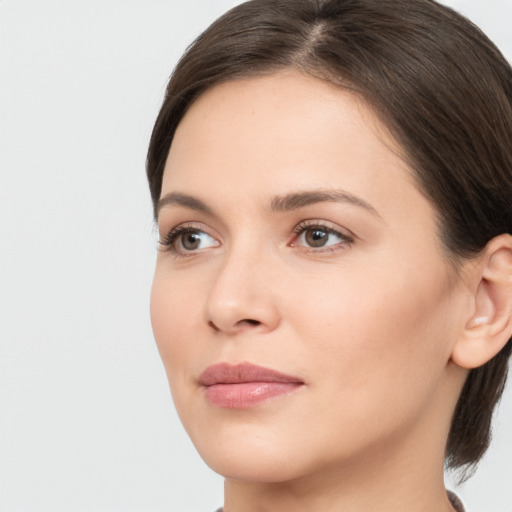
(456, 503)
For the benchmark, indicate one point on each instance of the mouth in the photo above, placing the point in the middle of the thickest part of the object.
(245, 385)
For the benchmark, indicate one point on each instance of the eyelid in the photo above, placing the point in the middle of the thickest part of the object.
(346, 237)
(168, 240)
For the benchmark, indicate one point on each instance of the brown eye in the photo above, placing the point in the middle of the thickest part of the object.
(186, 240)
(320, 237)
(190, 240)
(316, 237)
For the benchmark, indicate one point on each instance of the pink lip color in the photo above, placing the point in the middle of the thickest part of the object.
(244, 385)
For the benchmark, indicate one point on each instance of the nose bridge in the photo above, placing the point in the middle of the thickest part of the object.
(240, 296)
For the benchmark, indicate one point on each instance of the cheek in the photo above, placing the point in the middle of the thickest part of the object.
(379, 337)
(178, 327)
(175, 316)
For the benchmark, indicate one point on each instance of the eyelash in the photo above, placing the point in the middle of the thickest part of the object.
(309, 225)
(168, 243)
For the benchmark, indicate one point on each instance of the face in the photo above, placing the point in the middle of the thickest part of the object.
(301, 297)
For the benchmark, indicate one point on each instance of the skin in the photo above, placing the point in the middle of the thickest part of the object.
(368, 322)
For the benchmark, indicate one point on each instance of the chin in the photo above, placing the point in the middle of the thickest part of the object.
(247, 455)
(252, 466)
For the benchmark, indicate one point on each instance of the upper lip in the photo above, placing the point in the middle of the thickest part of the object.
(225, 373)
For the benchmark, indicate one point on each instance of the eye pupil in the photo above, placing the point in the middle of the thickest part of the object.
(191, 240)
(316, 237)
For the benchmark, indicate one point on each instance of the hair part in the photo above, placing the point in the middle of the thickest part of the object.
(435, 80)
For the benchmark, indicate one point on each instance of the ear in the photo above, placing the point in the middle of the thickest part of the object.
(489, 327)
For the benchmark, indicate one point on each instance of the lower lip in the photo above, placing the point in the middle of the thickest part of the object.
(247, 394)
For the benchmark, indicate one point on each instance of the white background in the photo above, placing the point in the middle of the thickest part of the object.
(86, 421)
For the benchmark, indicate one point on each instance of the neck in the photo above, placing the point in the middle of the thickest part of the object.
(403, 488)
(332, 495)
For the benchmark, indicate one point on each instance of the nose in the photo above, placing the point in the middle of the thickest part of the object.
(242, 297)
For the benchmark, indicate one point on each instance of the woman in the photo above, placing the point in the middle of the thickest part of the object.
(332, 298)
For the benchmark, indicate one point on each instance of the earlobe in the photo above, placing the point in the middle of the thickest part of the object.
(490, 325)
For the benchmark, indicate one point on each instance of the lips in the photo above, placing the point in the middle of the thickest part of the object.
(245, 385)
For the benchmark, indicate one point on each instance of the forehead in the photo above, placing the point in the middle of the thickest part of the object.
(283, 108)
(283, 131)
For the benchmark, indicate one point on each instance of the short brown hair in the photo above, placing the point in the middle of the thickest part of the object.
(440, 85)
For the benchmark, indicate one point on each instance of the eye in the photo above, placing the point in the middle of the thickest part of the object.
(319, 236)
(193, 240)
(187, 239)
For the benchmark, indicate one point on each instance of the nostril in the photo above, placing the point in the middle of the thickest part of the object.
(250, 321)
(213, 326)
(246, 322)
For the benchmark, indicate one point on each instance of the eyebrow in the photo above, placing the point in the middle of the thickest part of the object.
(179, 199)
(296, 200)
(282, 203)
